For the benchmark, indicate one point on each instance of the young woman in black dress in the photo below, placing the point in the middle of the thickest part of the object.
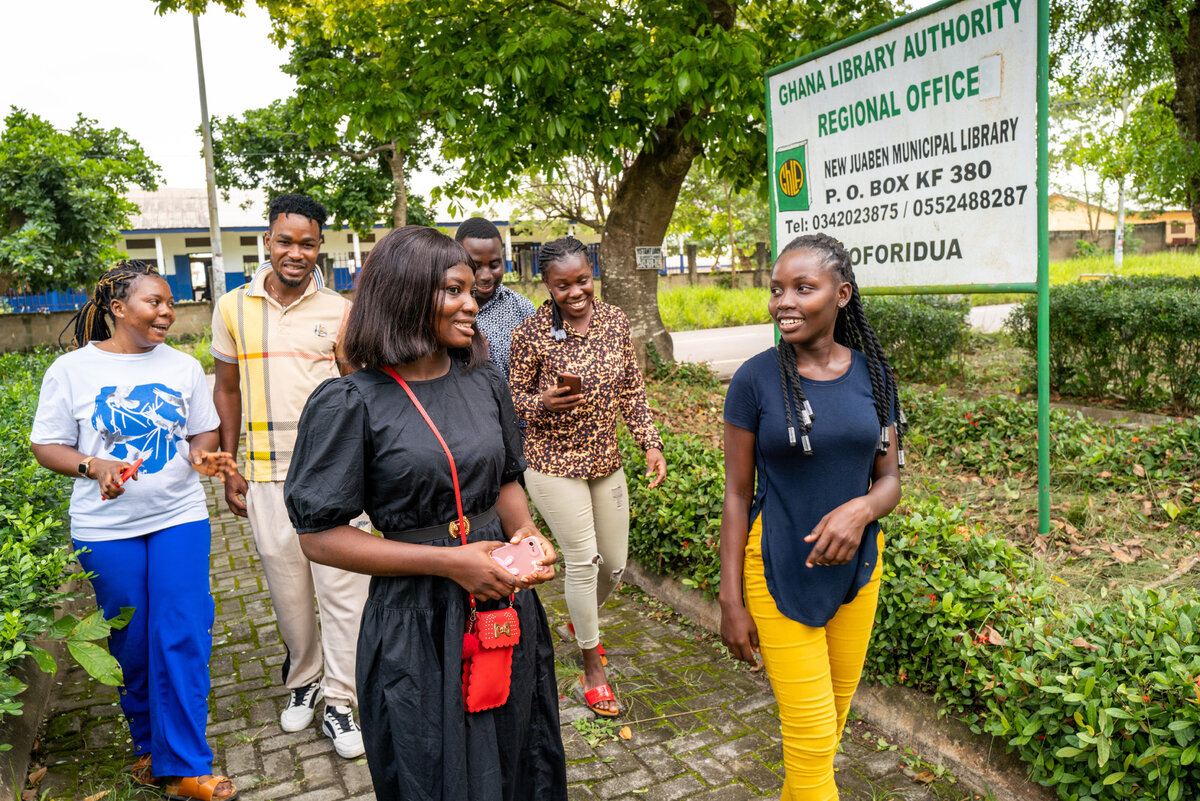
(364, 446)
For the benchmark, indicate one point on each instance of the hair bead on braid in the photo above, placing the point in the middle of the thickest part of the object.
(852, 330)
(89, 323)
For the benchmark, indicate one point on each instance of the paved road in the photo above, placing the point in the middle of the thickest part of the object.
(726, 348)
(702, 726)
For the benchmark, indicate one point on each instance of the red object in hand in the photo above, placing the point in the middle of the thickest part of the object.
(126, 474)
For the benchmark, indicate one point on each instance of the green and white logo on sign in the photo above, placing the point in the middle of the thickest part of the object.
(791, 177)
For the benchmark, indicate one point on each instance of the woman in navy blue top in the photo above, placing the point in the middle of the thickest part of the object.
(812, 461)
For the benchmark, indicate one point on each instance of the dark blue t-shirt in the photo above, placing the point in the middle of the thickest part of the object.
(794, 491)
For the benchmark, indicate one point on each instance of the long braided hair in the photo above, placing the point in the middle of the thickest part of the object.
(89, 323)
(852, 330)
(560, 249)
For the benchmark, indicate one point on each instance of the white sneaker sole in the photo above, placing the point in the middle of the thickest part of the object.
(298, 721)
(344, 751)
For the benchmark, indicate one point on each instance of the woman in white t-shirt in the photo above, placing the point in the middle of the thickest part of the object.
(125, 405)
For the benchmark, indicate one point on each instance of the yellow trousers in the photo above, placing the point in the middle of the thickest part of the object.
(813, 671)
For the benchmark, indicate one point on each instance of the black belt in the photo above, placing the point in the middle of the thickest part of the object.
(420, 536)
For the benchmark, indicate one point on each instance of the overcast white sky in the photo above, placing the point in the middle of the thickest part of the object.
(118, 62)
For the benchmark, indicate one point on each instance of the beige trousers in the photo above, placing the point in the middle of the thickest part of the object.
(292, 581)
(590, 522)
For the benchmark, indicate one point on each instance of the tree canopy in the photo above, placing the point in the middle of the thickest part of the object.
(62, 199)
(512, 88)
(1148, 51)
(268, 148)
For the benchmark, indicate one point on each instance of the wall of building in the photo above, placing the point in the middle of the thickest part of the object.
(1154, 236)
(21, 332)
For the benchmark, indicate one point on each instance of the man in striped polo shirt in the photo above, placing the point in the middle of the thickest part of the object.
(274, 340)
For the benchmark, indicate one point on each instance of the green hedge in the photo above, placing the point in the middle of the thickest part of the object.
(35, 559)
(922, 335)
(1101, 700)
(1136, 340)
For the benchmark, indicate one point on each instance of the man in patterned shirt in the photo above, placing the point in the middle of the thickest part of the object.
(500, 309)
(274, 340)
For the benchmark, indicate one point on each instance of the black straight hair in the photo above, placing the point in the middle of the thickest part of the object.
(89, 323)
(294, 203)
(852, 330)
(399, 289)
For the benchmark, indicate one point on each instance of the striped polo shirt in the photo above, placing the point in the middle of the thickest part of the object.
(282, 355)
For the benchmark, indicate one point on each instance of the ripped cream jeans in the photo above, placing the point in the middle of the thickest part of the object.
(590, 522)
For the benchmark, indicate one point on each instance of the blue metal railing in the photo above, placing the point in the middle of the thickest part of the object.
(54, 300)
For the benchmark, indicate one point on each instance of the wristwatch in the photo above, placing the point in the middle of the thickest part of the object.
(83, 466)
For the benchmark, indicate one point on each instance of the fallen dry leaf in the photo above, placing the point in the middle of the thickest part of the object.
(1079, 642)
(28, 794)
(36, 777)
(1139, 471)
(993, 636)
(97, 796)
(625, 733)
(924, 777)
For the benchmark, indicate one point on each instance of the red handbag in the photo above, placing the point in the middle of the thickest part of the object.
(490, 636)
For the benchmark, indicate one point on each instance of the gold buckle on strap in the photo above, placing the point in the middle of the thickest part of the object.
(454, 530)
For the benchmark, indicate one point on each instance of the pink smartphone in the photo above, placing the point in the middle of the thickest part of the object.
(518, 557)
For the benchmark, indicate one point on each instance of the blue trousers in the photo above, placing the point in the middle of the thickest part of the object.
(164, 650)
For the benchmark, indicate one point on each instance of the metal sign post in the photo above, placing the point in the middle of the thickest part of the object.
(921, 145)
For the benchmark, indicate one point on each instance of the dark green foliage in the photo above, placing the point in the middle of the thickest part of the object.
(1133, 339)
(35, 557)
(675, 529)
(946, 588)
(922, 335)
(1100, 700)
(62, 200)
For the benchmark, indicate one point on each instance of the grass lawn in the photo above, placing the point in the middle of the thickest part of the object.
(1069, 270)
(1098, 540)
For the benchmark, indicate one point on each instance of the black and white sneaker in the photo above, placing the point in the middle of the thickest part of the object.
(338, 724)
(298, 713)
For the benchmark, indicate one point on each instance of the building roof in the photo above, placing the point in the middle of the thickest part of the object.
(167, 209)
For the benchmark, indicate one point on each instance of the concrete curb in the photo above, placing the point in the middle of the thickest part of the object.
(980, 762)
(21, 730)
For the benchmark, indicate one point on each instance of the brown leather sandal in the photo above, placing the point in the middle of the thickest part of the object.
(189, 788)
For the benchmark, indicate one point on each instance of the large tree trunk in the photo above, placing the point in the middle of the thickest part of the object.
(640, 213)
(1187, 102)
(400, 206)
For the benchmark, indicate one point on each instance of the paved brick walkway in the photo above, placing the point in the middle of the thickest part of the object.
(701, 726)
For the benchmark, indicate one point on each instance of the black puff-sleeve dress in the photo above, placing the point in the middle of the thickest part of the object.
(363, 446)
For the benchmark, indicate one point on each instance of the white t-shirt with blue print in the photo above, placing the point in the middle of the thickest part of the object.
(128, 406)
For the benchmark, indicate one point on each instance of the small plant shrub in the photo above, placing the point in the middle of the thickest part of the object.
(922, 335)
(1101, 700)
(199, 347)
(1133, 339)
(997, 436)
(35, 558)
(949, 591)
